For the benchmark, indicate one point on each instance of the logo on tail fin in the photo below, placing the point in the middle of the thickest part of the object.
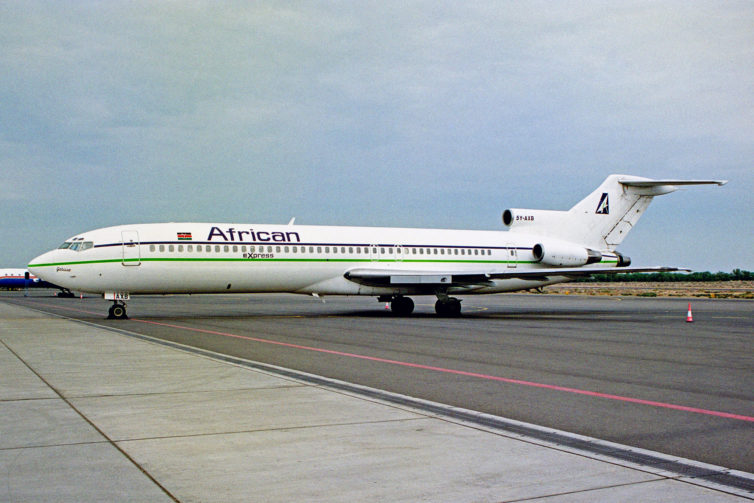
(603, 208)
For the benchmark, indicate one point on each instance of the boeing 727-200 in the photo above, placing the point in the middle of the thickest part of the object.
(541, 247)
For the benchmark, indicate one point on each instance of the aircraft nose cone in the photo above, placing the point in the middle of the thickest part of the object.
(36, 265)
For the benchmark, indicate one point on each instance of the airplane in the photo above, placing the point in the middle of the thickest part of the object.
(12, 279)
(540, 247)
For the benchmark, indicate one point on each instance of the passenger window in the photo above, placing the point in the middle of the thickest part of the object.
(190, 248)
(162, 248)
(151, 248)
(226, 248)
(217, 248)
(180, 248)
(235, 248)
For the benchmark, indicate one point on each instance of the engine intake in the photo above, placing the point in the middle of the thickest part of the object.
(518, 218)
(561, 254)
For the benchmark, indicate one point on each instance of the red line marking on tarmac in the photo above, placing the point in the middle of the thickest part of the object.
(506, 380)
(652, 403)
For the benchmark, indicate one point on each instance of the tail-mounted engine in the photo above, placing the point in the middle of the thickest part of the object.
(562, 254)
(516, 218)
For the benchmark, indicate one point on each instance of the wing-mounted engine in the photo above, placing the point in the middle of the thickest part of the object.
(563, 254)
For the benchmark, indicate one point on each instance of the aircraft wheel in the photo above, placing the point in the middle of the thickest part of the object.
(402, 306)
(117, 312)
(450, 307)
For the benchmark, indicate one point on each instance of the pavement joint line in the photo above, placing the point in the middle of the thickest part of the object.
(91, 423)
(714, 477)
(155, 393)
(45, 446)
(587, 491)
(264, 430)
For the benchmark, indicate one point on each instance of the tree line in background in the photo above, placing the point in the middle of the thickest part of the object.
(658, 277)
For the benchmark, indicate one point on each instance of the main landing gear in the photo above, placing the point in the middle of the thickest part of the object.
(399, 305)
(448, 306)
(403, 306)
(117, 311)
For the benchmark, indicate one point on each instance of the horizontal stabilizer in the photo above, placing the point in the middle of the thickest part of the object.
(655, 183)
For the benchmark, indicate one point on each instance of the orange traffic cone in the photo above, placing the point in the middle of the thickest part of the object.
(689, 318)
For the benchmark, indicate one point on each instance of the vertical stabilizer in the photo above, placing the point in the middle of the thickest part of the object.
(603, 218)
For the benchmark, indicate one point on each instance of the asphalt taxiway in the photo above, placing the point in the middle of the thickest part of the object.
(295, 399)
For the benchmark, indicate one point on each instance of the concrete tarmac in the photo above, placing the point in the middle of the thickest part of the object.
(627, 370)
(90, 414)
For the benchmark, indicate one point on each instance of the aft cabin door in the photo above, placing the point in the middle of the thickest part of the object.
(131, 248)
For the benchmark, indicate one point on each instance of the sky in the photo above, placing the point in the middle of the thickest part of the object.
(386, 113)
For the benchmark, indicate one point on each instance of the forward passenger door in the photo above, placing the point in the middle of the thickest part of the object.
(131, 248)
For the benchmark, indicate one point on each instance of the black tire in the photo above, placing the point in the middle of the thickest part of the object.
(449, 308)
(402, 306)
(117, 312)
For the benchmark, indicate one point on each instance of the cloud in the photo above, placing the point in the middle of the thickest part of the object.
(386, 113)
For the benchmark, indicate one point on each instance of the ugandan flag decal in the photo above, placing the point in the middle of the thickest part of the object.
(184, 236)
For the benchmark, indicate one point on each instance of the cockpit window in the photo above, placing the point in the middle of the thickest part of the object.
(65, 245)
(80, 245)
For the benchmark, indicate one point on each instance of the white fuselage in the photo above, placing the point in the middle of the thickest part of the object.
(250, 258)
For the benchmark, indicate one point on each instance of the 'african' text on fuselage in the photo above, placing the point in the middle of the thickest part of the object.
(231, 234)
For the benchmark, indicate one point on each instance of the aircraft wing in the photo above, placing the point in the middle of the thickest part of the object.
(391, 277)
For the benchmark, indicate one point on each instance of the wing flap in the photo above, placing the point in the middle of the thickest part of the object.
(388, 277)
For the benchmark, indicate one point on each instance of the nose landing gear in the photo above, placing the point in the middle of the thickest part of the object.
(117, 311)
